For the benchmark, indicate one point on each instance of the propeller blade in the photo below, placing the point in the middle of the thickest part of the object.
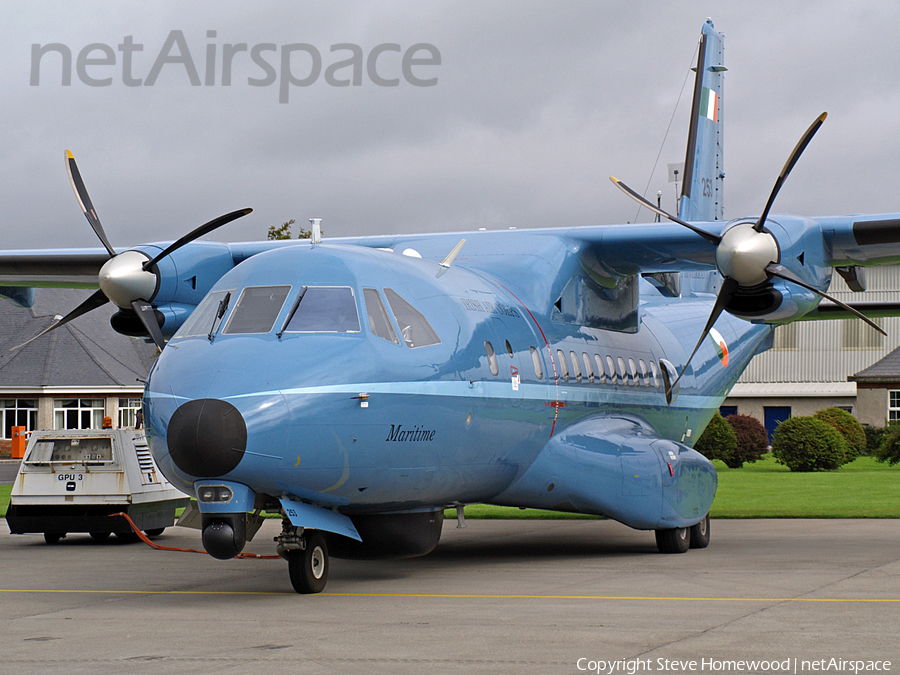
(199, 232)
(84, 201)
(726, 293)
(98, 299)
(782, 272)
(788, 166)
(709, 236)
(147, 315)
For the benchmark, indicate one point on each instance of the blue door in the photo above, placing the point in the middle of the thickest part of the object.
(773, 416)
(727, 410)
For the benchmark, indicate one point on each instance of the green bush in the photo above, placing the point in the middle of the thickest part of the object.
(752, 440)
(848, 427)
(808, 444)
(874, 437)
(889, 450)
(718, 440)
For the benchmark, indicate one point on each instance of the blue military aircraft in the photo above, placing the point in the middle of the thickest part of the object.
(358, 386)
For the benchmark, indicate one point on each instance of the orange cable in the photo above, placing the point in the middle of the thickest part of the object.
(143, 537)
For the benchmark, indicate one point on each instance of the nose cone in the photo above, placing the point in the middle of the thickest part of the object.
(207, 437)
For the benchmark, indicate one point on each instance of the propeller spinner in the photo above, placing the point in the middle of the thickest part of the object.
(128, 279)
(746, 254)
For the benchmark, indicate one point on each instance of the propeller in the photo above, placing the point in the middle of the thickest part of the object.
(746, 254)
(128, 279)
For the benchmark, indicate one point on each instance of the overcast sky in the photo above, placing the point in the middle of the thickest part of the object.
(535, 105)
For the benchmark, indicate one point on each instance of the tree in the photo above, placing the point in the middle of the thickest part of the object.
(284, 232)
(718, 440)
(889, 450)
(848, 427)
(752, 440)
(808, 444)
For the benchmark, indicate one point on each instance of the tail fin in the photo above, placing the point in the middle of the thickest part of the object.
(701, 193)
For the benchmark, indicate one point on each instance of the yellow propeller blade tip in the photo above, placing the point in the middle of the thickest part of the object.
(69, 154)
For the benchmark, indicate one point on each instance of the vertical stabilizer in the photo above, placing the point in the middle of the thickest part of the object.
(701, 193)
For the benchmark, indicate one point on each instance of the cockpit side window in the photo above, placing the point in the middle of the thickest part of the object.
(200, 322)
(256, 310)
(379, 323)
(325, 309)
(414, 327)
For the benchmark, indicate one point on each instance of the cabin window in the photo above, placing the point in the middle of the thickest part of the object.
(414, 327)
(611, 370)
(644, 379)
(576, 369)
(200, 322)
(492, 357)
(323, 309)
(654, 373)
(588, 368)
(632, 369)
(600, 372)
(623, 373)
(563, 368)
(379, 323)
(536, 361)
(256, 310)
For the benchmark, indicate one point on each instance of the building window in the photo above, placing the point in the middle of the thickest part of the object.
(787, 337)
(128, 410)
(894, 405)
(78, 413)
(18, 412)
(856, 334)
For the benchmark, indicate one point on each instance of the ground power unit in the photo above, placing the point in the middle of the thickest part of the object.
(73, 480)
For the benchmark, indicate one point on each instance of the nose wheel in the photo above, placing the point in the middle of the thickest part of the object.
(308, 566)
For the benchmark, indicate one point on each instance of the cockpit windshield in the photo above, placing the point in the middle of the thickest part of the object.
(325, 309)
(200, 322)
(256, 310)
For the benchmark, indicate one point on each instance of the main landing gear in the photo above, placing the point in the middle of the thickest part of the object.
(307, 556)
(680, 539)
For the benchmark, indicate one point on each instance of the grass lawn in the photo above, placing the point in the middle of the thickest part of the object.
(862, 489)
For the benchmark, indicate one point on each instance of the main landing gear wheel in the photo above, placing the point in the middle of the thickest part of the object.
(700, 533)
(154, 532)
(309, 568)
(54, 537)
(677, 540)
(100, 536)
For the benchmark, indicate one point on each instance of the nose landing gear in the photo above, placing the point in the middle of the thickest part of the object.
(307, 556)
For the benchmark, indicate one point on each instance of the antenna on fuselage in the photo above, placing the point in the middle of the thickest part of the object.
(452, 255)
(315, 236)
